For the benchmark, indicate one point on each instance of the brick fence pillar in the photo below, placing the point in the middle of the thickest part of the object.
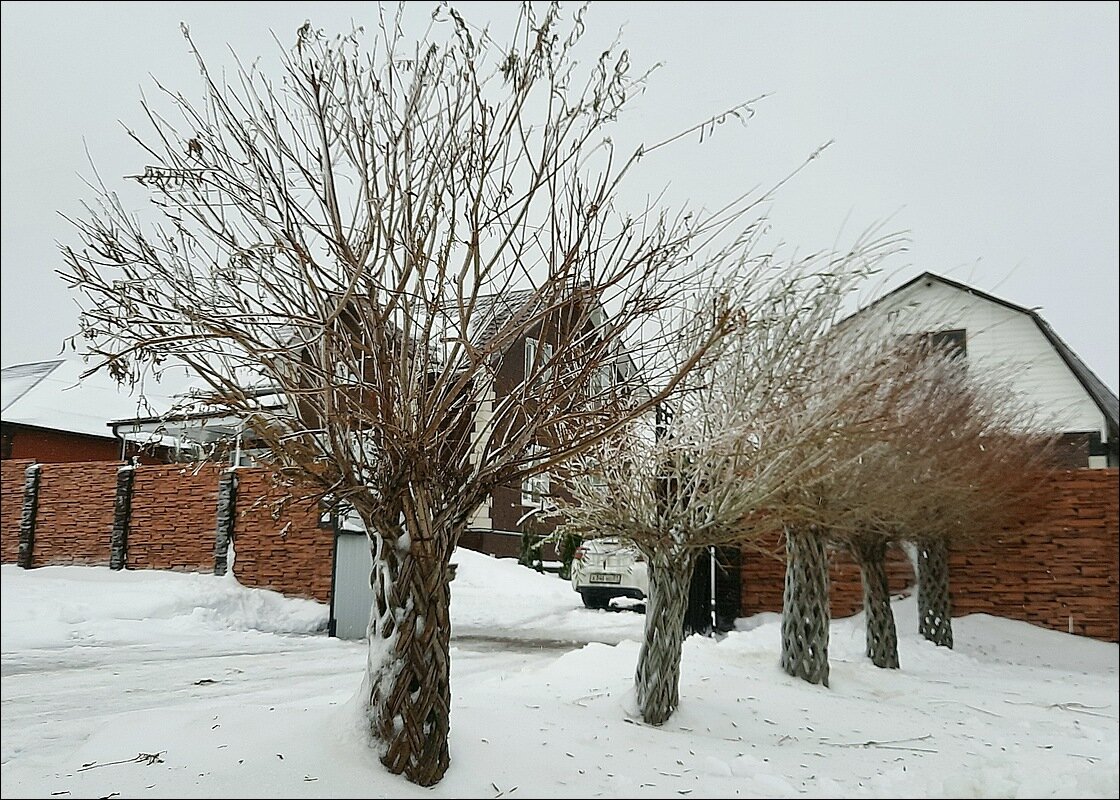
(122, 512)
(227, 501)
(27, 518)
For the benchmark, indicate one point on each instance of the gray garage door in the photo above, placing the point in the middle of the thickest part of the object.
(351, 595)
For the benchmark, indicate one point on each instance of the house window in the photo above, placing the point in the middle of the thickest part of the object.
(597, 485)
(535, 490)
(532, 346)
(953, 342)
(601, 381)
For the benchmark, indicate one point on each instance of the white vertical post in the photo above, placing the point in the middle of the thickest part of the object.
(712, 583)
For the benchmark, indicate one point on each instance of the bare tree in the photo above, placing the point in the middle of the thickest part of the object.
(986, 463)
(367, 243)
(837, 388)
(887, 478)
(936, 452)
(697, 475)
(967, 451)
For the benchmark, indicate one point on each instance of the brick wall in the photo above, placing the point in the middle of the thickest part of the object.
(1063, 573)
(279, 545)
(763, 579)
(172, 524)
(11, 507)
(75, 514)
(174, 516)
(1067, 568)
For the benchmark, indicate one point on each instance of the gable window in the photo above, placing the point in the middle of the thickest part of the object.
(602, 379)
(953, 341)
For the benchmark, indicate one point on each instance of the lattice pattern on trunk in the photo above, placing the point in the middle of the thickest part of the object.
(805, 607)
(657, 680)
(882, 635)
(410, 692)
(935, 620)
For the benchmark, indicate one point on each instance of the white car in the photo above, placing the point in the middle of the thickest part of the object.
(607, 568)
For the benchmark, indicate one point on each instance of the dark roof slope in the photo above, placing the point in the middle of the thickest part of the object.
(493, 311)
(1105, 400)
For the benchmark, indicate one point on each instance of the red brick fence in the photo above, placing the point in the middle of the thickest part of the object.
(171, 522)
(1064, 576)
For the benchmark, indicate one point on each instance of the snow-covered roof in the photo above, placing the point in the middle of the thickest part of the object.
(50, 394)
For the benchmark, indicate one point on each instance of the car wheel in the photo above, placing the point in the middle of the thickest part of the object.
(595, 598)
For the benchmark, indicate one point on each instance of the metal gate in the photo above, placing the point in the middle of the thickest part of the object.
(351, 594)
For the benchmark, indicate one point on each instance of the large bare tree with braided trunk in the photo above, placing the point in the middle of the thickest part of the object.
(369, 240)
(693, 477)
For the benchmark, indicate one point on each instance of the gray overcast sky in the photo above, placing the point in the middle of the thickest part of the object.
(987, 131)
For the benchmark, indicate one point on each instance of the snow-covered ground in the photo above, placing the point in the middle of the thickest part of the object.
(154, 684)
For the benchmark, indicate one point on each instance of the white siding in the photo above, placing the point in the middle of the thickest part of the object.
(997, 338)
(482, 519)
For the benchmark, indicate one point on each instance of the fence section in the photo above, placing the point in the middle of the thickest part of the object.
(172, 523)
(278, 541)
(1063, 574)
(173, 520)
(74, 520)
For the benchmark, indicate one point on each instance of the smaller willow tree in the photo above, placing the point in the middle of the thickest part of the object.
(853, 390)
(934, 452)
(689, 479)
(988, 453)
(888, 477)
(368, 239)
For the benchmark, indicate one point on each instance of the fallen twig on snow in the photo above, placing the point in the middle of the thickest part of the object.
(966, 705)
(141, 758)
(1079, 708)
(893, 744)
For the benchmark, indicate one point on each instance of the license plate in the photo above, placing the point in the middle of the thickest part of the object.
(603, 577)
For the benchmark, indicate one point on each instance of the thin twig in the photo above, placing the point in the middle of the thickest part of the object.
(1078, 708)
(974, 708)
(141, 758)
(887, 745)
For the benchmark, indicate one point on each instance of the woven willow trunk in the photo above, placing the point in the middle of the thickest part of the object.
(805, 609)
(408, 670)
(657, 680)
(882, 635)
(935, 621)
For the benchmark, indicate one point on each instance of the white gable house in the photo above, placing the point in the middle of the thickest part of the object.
(999, 335)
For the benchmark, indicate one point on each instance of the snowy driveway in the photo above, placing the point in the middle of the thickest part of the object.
(73, 690)
(166, 685)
